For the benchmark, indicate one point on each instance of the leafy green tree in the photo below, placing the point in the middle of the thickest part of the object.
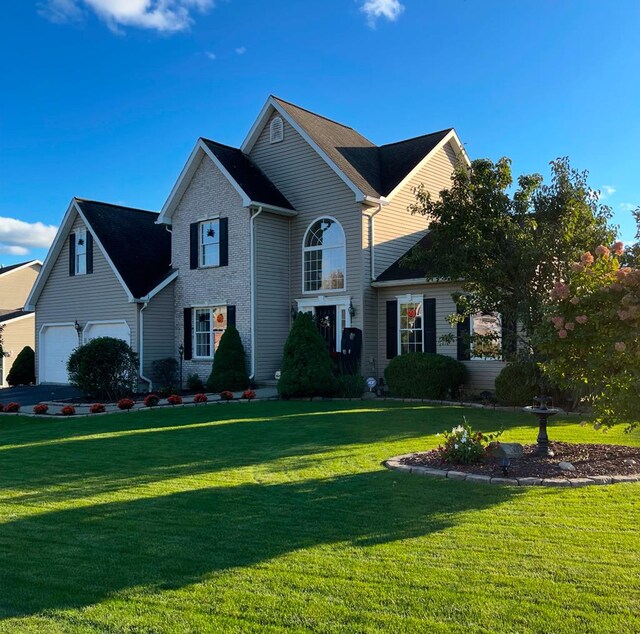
(229, 370)
(23, 370)
(105, 368)
(508, 247)
(306, 365)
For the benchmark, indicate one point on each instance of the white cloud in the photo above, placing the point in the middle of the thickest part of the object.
(160, 15)
(17, 236)
(628, 206)
(211, 55)
(388, 9)
(13, 250)
(606, 191)
(241, 50)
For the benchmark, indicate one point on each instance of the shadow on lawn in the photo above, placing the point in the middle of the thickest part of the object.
(74, 558)
(125, 453)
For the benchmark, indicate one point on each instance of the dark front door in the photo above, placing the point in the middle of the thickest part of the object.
(326, 322)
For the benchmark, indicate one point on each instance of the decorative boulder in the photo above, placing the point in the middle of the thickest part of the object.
(508, 450)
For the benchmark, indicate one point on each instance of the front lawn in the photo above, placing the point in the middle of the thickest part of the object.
(279, 517)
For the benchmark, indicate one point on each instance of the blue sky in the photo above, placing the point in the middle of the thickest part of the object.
(105, 99)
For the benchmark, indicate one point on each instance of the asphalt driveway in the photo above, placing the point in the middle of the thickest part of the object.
(32, 394)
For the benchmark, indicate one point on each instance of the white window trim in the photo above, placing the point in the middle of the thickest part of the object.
(194, 339)
(80, 234)
(408, 299)
(201, 265)
(485, 359)
(304, 249)
(342, 302)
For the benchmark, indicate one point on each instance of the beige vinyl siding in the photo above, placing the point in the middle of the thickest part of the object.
(83, 298)
(396, 230)
(159, 329)
(482, 372)
(314, 190)
(15, 286)
(17, 334)
(273, 303)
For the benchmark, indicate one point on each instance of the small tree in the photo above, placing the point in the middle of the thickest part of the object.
(165, 373)
(23, 370)
(306, 365)
(105, 368)
(229, 370)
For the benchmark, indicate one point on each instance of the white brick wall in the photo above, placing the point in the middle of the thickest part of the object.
(209, 193)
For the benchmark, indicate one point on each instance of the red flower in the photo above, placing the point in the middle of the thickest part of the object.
(12, 408)
(200, 398)
(40, 408)
(226, 395)
(68, 410)
(248, 394)
(125, 404)
(151, 400)
(175, 399)
(97, 408)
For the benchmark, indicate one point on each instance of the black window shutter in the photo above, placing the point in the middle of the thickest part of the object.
(231, 316)
(430, 325)
(72, 254)
(509, 339)
(193, 245)
(224, 241)
(89, 253)
(188, 340)
(392, 329)
(464, 341)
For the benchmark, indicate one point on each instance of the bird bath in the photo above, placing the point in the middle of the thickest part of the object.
(543, 412)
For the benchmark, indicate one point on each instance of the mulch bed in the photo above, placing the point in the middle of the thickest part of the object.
(589, 460)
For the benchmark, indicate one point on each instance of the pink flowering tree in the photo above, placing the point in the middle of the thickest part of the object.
(592, 337)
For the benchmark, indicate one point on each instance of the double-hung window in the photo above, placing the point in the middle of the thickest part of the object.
(209, 326)
(209, 243)
(486, 336)
(324, 256)
(410, 324)
(81, 252)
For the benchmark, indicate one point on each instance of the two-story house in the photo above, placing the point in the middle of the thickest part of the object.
(307, 214)
(17, 326)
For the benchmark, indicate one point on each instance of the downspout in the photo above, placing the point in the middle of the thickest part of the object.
(141, 345)
(372, 248)
(252, 255)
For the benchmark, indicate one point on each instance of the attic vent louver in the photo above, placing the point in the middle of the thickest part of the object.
(276, 130)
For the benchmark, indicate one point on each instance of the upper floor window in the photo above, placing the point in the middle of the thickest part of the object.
(324, 257)
(210, 243)
(276, 130)
(486, 336)
(410, 324)
(81, 252)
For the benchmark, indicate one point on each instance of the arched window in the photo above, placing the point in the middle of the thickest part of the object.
(324, 256)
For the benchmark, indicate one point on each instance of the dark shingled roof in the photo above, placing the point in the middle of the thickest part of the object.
(375, 170)
(8, 315)
(397, 271)
(139, 249)
(248, 175)
(6, 269)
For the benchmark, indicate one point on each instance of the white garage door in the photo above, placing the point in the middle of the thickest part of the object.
(56, 345)
(115, 329)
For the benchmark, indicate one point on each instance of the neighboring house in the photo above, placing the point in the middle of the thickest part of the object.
(306, 215)
(17, 325)
(108, 273)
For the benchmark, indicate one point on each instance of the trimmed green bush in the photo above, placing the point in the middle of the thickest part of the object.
(349, 385)
(164, 373)
(229, 371)
(425, 375)
(518, 383)
(23, 370)
(106, 368)
(306, 365)
(195, 383)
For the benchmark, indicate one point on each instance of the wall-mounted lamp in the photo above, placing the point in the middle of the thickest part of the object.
(352, 310)
(78, 327)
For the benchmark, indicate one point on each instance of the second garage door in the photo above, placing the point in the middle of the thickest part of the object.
(115, 329)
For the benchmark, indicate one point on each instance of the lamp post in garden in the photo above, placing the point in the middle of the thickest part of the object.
(181, 353)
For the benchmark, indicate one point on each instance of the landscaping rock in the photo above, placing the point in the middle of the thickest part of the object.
(566, 466)
(456, 475)
(626, 478)
(581, 482)
(434, 473)
(508, 450)
(474, 477)
(529, 482)
(556, 482)
(601, 479)
(509, 481)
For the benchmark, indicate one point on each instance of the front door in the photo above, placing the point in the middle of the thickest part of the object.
(326, 322)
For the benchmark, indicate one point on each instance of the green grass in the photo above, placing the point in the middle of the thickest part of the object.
(278, 517)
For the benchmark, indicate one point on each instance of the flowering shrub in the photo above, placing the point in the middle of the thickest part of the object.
(591, 337)
(125, 403)
(226, 395)
(462, 445)
(97, 408)
(200, 398)
(151, 400)
(68, 410)
(12, 408)
(248, 394)
(175, 399)
(40, 408)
